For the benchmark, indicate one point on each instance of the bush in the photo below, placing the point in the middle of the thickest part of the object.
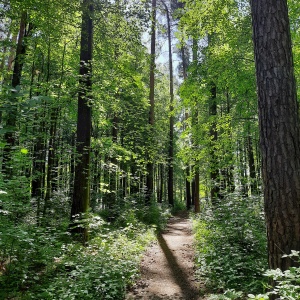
(102, 270)
(287, 283)
(43, 267)
(27, 252)
(131, 210)
(231, 245)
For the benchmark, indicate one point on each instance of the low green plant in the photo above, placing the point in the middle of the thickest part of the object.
(231, 245)
(227, 295)
(155, 214)
(103, 269)
(287, 283)
(41, 261)
(133, 209)
(26, 252)
(179, 205)
(44, 264)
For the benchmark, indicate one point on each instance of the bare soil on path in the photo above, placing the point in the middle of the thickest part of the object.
(167, 269)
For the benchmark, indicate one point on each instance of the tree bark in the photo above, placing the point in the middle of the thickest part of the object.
(149, 178)
(81, 195)
(188, 196)
(252, 168)
(279, 128)
(214, 173)
(197, 193)
(171, 118)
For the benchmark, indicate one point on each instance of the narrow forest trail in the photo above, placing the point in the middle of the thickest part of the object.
(167, 269)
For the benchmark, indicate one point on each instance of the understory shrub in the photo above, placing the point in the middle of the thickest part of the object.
(133, 209)
(179, 205)
(287, 283)
(48, 266)
(231, 245)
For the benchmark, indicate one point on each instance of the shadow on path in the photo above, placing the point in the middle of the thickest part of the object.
(167, 268)
(179, 275)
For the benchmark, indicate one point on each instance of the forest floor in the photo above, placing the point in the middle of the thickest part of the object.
(167, 269)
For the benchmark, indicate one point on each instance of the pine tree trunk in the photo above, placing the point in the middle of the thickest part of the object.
(279, 128)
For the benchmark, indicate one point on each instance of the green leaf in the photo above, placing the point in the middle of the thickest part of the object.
(24, 151)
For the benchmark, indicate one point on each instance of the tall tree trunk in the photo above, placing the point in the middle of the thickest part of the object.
(38, 174)
(134, 178)
(159, 183)
(188, 195)
(252, 171)
(171, 120)
(149, 178)
(113, 168)
(81, 195)
(279, 128)
(197, 193)
(51, 161)
(52, 140)
(39, 155)
(195, 113)
(71, 167)
(51, 173)
(162, 184)
(214, 173)
(229, 177)
(9, 136)
(243, 169)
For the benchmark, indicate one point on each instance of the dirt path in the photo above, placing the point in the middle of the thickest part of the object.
(167, 270)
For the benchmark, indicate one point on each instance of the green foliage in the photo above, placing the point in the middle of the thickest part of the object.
(179, 205)
(41, 265)
(15, 199)
(228, 295)
(231, 245)
(155, 214)
(26, 252)
(132, 210)
(287, 283)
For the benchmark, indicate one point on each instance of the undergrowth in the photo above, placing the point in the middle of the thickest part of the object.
(231, 247)
(287, 283)
(44, 263)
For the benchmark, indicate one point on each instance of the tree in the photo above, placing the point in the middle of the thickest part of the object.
(10, 137)
(171, 120)
(149, 179)
(187, 179)
(81, 195)
(279, 128)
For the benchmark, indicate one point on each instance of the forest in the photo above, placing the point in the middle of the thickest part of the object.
(117, 114)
